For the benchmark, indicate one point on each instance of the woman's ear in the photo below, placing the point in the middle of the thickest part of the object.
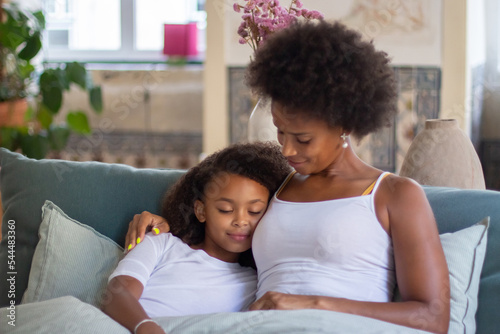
(199, 211)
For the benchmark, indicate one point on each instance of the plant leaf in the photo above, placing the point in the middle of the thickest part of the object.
(95, 96)
(8, 138)
(35, 146)
(26, 69)
(40, 18)
(52, 98)
(76, 72)
(11, 40)
(33, 46)
(78, 122)
(58, 137)
(45, 118)
(53, 77)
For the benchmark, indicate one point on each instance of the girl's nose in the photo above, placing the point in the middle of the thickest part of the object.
(241, 220)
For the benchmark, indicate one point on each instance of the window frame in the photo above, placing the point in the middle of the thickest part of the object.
(127, 53)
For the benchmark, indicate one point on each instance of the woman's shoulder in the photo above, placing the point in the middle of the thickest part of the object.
(401, 194)
(394, 186)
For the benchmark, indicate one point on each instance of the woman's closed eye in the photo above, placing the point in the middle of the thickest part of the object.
(303, 141)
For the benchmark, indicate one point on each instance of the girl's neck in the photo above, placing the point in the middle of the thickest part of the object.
(225, 257)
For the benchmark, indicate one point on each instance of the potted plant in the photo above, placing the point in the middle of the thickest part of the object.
(32, 128)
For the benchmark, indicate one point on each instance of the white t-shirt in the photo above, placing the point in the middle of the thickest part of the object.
(179, 280)
(331, 248)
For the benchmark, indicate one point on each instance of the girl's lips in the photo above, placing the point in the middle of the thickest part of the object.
(238, 237)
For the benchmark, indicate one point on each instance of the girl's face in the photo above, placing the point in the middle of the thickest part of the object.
(310, 145)
(231, 209)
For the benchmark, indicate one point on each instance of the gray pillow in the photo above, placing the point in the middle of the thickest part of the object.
(70, 259)
(464, 251)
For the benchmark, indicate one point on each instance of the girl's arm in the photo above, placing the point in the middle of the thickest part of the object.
(141, 224)
(122, 304)
(421, 270)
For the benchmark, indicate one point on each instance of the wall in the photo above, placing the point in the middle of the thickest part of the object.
(382, 21)
(152, 117)
(491, 113)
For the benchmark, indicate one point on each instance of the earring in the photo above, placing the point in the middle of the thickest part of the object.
(344, 137)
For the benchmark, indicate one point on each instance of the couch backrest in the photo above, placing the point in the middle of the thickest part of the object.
(106, 196)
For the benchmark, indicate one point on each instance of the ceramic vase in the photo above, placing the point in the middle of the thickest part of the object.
(260, 123)
(443, 155)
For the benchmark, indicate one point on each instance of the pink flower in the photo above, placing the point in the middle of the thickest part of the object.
(314, 15)
(261, 18)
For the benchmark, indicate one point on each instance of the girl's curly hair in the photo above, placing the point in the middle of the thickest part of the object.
(261, 162)
(327, 71)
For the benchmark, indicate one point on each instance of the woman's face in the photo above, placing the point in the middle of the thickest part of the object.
(310, 145)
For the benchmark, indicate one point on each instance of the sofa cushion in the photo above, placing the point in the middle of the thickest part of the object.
(71, 259)
(454, 210)
(103, 196)
(464, 251)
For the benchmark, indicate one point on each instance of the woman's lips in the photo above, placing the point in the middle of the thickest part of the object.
(294, 164)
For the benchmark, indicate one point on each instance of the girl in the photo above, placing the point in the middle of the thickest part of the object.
(340, 234)
(213, 211)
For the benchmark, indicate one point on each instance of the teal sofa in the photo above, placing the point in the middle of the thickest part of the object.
(106, 196)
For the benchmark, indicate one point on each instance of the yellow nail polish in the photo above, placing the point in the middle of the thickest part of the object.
(138, 240)
(129, 247)
(157, 231)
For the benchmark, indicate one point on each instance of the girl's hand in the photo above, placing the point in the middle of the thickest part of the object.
(272, 300)
(150, 328)
(141, 224)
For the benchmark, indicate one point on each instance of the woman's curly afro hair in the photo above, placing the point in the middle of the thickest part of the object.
(261, 162)
(329, 72)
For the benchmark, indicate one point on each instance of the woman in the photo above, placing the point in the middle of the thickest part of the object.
(339, 233)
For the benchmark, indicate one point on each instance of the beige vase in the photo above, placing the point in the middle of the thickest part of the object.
(443, 155)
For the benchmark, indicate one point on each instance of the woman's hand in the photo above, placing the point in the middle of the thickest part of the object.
(272, 300)
(141, 224)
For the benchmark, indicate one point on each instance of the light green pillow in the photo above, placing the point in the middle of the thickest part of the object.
(464, 251)
(70, 259)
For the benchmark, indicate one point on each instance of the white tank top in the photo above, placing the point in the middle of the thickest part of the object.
(331, 248)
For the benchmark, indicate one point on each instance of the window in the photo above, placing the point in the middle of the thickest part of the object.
(116, 30)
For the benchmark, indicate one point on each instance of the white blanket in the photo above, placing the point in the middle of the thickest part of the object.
(72, 316)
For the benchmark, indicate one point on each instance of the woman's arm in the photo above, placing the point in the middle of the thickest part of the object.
(122, 304)
(421, 270)
(141, 224)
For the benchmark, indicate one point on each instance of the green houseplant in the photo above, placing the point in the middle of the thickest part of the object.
(20, 43)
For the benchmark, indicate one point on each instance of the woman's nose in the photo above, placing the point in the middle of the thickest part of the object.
(287, 149)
